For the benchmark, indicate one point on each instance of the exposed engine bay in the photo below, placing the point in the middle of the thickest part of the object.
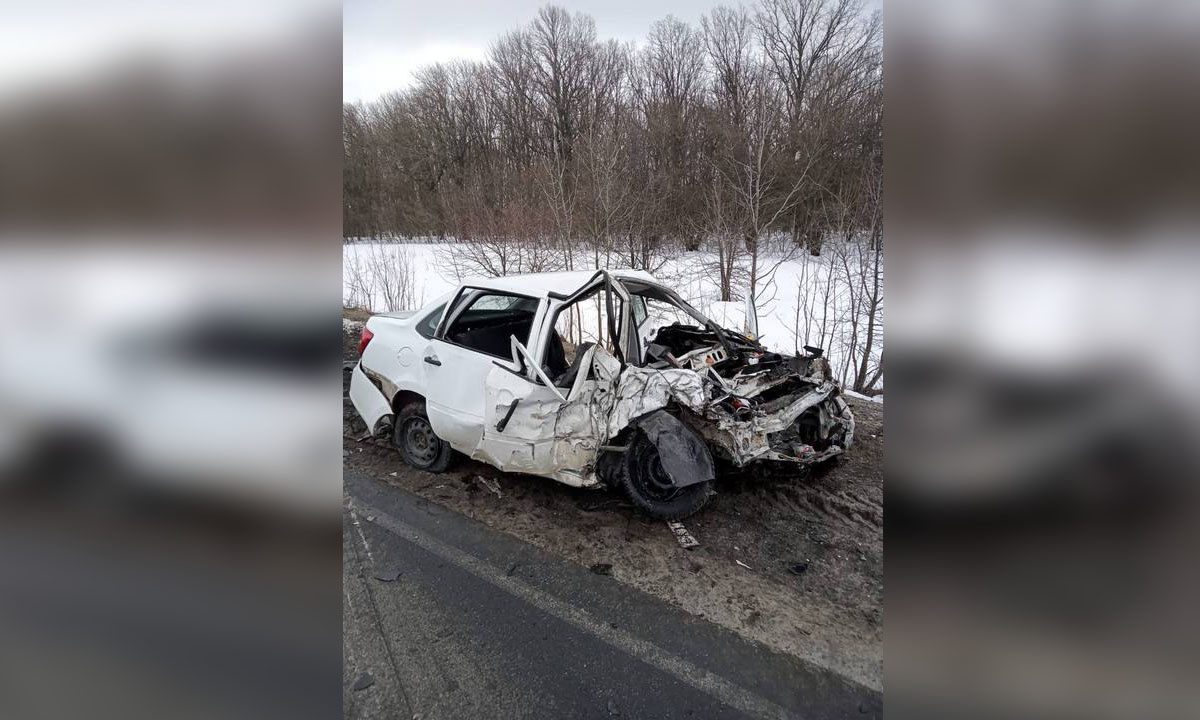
(746, 382)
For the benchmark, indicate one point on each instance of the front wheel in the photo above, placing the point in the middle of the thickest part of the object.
(413, 436)
(648, 486)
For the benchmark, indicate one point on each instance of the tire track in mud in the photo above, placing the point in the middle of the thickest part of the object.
(843, 505)
(801, 495)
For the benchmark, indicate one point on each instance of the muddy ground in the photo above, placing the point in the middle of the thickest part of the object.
(794, 562)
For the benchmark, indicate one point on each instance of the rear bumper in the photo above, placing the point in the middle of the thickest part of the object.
(372, 406)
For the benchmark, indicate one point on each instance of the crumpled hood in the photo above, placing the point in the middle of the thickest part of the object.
(638, 391)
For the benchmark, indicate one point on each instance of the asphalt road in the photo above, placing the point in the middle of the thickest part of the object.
(446, 618)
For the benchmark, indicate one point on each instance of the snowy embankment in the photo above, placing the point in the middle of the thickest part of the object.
(807, 301)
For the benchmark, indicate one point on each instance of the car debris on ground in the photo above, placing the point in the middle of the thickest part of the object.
(601, 569)
(362, 682)
(682, 536)
(491, 484)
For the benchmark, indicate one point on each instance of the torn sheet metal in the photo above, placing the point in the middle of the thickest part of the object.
(545, 436)
(644, 390)
(682, 536)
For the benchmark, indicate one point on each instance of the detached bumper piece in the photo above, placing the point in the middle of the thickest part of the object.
(370, 403)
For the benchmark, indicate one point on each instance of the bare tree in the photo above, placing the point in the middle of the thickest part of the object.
(817, 50)
(381, 278)
(753, 136)
(756, 175)
(563, 46)
(728, 41)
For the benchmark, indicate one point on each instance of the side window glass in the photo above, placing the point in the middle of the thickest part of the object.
(487, 324)
(426, 327)
(639, 310)
(495, 302)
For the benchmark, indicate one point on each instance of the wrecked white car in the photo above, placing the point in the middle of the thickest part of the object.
(605, 378)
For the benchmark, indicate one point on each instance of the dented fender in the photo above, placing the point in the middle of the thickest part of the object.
(684, 456)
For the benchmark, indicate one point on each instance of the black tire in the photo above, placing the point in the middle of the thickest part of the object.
(418, 445)
(647, 486)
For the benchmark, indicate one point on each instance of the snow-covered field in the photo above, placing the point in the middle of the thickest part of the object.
(808, 301)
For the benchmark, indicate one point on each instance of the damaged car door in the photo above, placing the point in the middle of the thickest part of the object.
(548, 416)
(536, 427)
(476, 331)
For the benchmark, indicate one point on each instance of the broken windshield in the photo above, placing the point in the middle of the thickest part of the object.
(664, 308)
(575, 327)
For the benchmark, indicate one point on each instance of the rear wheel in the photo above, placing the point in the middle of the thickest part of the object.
(648, 486)
(413, 436)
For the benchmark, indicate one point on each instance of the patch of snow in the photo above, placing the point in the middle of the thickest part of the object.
(860, 396)
(801, 303)
(727, 314)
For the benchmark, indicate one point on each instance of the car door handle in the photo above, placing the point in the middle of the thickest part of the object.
(507, 416)
(432, 360)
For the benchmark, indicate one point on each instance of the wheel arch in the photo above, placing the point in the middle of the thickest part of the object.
(404, 398)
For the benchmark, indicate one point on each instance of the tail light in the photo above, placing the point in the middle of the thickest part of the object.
(366, 338)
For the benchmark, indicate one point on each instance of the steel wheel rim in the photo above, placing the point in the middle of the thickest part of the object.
(420, 442)
(651, 478)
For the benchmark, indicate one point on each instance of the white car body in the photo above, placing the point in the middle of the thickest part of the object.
(505, 410)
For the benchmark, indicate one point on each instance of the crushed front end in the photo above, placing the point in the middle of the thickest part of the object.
(752, 404)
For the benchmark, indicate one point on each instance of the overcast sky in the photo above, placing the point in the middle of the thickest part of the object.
(383, 41)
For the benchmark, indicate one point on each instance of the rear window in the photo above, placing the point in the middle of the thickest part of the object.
(429, 323)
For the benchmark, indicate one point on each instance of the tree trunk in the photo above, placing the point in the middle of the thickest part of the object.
(725, 270)
(752, 249)
(860, 381)
(813, 240)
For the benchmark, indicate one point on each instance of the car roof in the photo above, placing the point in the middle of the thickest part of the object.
(542, 284)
